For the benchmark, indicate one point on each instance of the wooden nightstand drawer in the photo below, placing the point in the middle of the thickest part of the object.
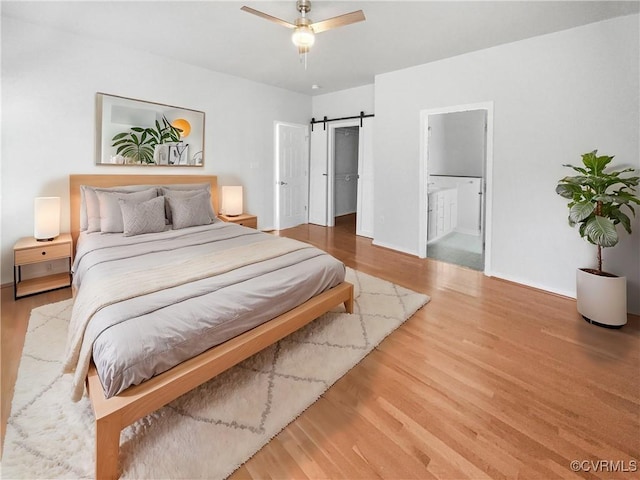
(251, 223)
(245, 219)
(42, 254)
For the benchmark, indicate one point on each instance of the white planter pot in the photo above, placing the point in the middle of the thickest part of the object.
(602, 300)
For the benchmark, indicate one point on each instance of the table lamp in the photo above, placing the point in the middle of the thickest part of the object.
(46, 214)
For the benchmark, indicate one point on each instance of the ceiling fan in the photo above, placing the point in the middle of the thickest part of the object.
(303, 29)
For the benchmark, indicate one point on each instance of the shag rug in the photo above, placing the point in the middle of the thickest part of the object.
(210, 431)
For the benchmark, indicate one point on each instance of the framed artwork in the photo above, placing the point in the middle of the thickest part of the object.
(136, 132)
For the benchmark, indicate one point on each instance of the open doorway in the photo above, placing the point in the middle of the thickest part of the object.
(345, 178)
(455, 162)
(341, 172)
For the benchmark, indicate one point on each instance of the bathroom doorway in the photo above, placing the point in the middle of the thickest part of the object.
(456, 149)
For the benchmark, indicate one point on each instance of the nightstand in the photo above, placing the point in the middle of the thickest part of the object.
(28, 251)
(242, 219)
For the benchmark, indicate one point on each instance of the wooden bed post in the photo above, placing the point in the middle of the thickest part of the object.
(107, 448)
(348, 304)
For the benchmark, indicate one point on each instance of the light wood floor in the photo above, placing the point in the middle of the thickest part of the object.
(490, 379)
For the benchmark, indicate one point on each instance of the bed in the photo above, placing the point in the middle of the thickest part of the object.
(261, 287)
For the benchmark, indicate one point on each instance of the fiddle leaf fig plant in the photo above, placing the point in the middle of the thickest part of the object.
(600, 201)
(139, 143)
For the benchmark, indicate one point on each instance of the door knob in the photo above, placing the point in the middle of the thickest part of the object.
(282, 183)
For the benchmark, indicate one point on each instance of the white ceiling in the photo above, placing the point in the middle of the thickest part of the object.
(217, 35)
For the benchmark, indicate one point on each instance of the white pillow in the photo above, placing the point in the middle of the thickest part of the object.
(142, 217)
(110, 212)
(190, 211)
(90, 208)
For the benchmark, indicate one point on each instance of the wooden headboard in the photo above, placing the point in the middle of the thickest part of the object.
(119, 180)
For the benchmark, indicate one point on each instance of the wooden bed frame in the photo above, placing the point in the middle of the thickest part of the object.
(116, 413)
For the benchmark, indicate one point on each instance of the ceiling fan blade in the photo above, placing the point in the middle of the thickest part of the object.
(339, 21)
(268, 17)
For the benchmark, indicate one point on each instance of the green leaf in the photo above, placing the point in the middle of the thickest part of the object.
(580, 211)
(120, 135)
(601, 163)
(589, 160)
(126, 151)
(620, 217)
(567, 190)
(595, 165)
(577, 169)
(603, 198)
(601, 231)
(583, 226)
(137, 129)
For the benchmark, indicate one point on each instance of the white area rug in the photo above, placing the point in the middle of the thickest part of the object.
(211, 431)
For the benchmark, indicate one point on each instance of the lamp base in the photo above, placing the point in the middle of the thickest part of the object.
(45, 239)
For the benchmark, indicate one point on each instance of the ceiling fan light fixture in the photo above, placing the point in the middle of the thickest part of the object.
(303, 37)
(304, 30)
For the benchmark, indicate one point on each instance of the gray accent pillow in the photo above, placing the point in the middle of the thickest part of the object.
(90, 208)
(180, 193)
(142, 217)
(190, 211)
(110, 212)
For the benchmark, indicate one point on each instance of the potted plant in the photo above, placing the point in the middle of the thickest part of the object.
(598, 204)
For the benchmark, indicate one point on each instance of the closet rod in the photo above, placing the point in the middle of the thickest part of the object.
(325, 120)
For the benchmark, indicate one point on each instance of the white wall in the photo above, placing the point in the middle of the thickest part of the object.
(345, 103)
(556, 97)
(49, 81)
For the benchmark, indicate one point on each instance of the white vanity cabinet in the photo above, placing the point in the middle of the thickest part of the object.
(443, 212)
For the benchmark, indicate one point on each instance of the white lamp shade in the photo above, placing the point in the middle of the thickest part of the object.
(46, 214)
(231, 200)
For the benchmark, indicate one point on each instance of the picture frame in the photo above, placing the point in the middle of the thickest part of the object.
(136, 132)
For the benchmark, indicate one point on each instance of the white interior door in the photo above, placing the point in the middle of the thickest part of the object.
(318, 177)
(292, 182)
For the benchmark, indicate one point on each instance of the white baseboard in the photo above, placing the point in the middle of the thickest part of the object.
(539, 286)
(394, 247)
